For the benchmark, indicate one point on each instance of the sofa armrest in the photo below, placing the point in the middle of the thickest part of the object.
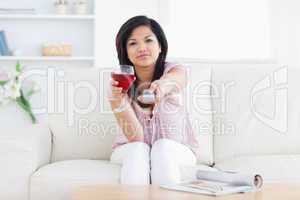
(22, 151)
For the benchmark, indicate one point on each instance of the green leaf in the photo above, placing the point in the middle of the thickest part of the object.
(3, 82)
(18, 67)
(24, 100)
(30, 93)
(19, 101)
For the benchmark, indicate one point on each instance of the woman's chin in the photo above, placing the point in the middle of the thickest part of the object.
(145, 64)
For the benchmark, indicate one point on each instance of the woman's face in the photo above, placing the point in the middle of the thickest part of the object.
(143, 47)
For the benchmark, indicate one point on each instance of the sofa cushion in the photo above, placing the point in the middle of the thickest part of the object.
(273, 168)
(255, 110)
(56, 181)
(81, 120)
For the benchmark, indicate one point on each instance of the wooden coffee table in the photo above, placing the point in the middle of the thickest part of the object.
(290, 191)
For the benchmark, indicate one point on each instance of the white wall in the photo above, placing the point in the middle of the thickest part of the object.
(285, 31)
(218, 29)
(284, 27)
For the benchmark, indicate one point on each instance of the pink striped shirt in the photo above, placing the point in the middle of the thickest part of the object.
(169, 120)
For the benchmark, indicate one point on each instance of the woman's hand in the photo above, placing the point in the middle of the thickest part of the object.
(157, 87)
(115, 94)
(163, 87)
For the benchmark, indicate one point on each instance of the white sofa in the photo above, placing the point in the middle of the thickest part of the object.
(246, 117)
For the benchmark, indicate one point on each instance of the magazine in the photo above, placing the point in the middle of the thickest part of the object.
(218, 183)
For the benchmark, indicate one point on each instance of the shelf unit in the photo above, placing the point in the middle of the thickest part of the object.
(26, 33)
(47, 17)
(46, 58)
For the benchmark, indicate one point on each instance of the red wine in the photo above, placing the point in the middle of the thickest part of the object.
(125, 80)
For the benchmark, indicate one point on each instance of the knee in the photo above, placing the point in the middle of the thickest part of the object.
(136, 148)
(162, 147)
(138, 151)
(131, 151)
(139, 147)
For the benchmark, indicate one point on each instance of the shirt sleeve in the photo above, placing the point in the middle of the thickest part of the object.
(169, 66)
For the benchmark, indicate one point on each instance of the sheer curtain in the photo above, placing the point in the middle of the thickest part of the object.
(217, 29)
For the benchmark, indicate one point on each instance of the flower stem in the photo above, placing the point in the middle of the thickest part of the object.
(25, 105)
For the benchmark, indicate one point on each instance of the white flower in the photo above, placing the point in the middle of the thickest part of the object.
(12, 89)
(16, 73)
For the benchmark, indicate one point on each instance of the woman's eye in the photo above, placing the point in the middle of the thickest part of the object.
(131, 43)
(149, 40)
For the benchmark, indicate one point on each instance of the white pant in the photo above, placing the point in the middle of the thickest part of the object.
(167, 160)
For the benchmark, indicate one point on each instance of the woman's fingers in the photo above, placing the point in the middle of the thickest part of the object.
(114, 83)
(114, 86)
(116, 89)
(115, 92)
(154, 87)
(157, 95)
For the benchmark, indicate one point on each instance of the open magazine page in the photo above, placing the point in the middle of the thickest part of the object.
(234, 178)
(217, 183)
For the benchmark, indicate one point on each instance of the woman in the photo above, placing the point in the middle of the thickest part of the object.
(155, 140)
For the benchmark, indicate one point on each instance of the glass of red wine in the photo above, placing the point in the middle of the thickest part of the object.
(125, 77)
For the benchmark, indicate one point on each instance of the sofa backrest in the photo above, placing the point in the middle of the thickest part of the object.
(81, 133)
(197, 97)
(256, 110)
(82, 123)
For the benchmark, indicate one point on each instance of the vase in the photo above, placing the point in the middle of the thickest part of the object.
(61, 9)
(81, 9)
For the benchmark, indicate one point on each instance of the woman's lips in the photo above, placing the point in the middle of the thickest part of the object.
(143, 56)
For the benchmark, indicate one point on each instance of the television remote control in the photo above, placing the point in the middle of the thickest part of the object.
(148, 97)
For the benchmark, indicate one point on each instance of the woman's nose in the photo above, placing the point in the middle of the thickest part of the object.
(142, 47)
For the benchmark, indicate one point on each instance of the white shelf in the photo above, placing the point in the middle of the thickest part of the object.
(27, 31)
(44, 58)
(47, 17)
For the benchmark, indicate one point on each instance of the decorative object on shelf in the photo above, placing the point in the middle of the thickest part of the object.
(80, 7)
(13, 89)
(4, 49)
(61, 7)
(56, 49)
